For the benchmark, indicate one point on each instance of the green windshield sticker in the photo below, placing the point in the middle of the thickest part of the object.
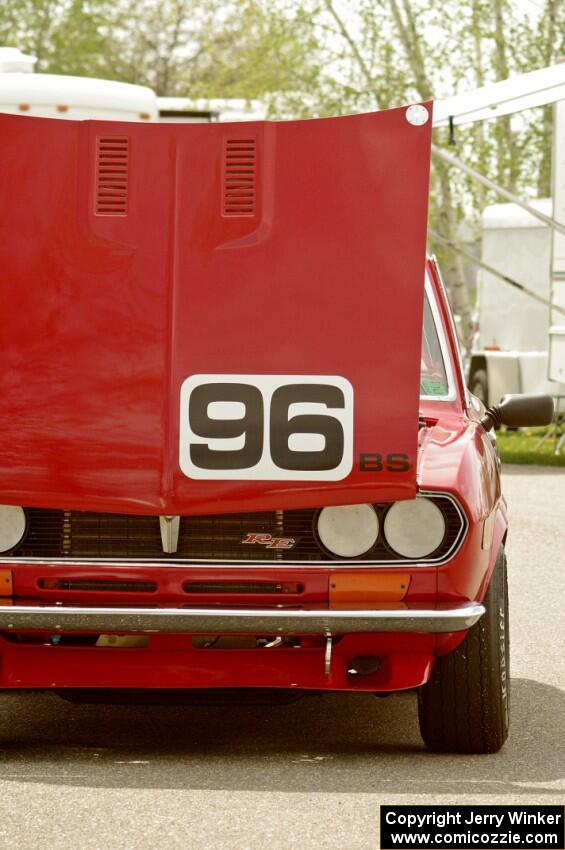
(431, 386)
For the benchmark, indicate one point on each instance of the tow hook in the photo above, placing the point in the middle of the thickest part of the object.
(272, 643)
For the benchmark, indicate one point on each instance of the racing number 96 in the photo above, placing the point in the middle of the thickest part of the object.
(266, 427)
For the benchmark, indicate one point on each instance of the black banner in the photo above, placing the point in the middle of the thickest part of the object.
(472, 827)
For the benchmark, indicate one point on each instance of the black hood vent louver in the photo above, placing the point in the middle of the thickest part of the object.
(112, 174)
(238, 190)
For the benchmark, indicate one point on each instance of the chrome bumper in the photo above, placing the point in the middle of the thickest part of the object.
(265, 621)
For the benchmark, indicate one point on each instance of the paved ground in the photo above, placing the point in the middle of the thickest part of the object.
(309, 775)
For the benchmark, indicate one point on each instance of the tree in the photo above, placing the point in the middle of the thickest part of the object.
(66, 36)
(380, 53)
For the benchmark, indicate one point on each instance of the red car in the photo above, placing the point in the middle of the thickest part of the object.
(229, 458)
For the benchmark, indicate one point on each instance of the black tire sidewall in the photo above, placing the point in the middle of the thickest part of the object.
(465, 707)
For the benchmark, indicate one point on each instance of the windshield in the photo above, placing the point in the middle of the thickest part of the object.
(433, 376)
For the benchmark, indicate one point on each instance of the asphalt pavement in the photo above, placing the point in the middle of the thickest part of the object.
(310, 774)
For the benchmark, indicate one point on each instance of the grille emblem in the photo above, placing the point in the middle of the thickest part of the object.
(269, 541)
(170, 527)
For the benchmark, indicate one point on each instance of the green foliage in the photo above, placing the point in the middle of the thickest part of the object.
(523, 446)
(66, 36)
(382, 54)
(192, 48)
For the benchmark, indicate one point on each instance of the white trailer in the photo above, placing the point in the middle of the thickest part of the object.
(510, 350)
(520, 342)
(557, 329)
(23, 92)
(57, 96)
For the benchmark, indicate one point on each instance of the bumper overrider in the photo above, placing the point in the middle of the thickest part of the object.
(276, 621)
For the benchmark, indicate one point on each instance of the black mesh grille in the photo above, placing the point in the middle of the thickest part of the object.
(76, 535)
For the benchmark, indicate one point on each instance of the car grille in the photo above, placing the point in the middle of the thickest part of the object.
(61, 535)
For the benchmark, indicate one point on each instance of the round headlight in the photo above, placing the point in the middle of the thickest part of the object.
(12, 527)
(348, 530)
(414, 528)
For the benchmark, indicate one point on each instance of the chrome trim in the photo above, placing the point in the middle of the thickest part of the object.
(239, 620)
(179, 563)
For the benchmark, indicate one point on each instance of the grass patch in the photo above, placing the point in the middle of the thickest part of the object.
(521, 447)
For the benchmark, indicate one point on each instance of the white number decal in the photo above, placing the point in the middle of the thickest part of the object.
(269, 427)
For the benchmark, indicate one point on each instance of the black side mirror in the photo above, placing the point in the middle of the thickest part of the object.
(519, 411)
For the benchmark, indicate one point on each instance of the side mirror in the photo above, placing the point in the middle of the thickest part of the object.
(519, 411)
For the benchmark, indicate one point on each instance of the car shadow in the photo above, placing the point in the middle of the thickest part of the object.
(327, 743)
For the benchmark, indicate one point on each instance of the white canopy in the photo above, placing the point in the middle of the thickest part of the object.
(523, 91)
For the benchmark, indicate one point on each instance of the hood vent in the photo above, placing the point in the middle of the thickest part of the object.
(238, 195)
(112, 171)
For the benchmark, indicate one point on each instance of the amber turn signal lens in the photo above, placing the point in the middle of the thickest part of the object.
(6, 583)
(367, 589)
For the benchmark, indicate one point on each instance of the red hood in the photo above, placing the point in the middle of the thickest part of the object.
(139, 261)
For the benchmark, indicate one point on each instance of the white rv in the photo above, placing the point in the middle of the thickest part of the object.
(520, 342)
(510, 351)
(557, 329)
(57, 96)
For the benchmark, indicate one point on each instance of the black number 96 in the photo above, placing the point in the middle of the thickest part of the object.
(266, 427)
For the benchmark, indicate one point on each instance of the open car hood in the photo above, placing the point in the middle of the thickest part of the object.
(211, 317)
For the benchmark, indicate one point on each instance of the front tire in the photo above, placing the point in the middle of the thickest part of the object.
(464, 708)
